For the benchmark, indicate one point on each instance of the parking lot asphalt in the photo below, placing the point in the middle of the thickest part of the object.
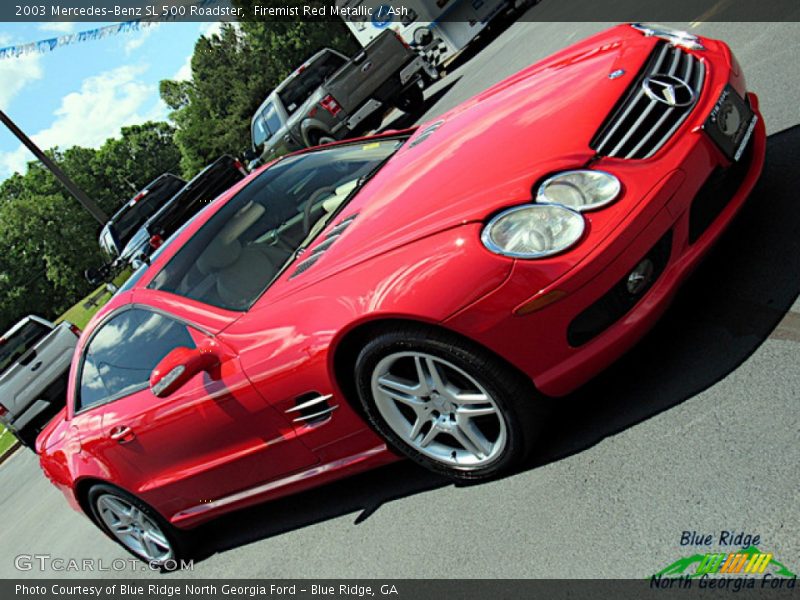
(697, 429)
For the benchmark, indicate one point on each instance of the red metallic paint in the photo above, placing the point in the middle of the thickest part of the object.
(224, 440)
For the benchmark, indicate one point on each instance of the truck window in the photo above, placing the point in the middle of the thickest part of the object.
(266, 123)
(260, 132)
(308, 78)
(272, 119)
(22, 340)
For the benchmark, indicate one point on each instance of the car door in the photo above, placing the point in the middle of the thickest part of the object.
(212, 437)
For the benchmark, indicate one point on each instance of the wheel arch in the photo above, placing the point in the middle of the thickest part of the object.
(81, 491)
(84, 484)
(311, 126)
(346, 346)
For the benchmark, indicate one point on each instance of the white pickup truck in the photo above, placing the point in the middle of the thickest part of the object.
(35, 357)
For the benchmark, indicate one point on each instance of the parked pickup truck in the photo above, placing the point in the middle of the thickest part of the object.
(187, 201)
(35, 357)
(331, 97)
(117, 233)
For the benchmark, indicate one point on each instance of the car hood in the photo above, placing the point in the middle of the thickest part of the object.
(489, 152)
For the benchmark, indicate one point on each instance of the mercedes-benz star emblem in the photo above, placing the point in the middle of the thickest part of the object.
(668, 90)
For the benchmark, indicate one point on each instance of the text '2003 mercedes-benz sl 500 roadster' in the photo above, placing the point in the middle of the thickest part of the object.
(415, 293)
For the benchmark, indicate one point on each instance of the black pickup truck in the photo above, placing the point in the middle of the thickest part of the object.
(331, 97)
(155, 213)
(204, 187)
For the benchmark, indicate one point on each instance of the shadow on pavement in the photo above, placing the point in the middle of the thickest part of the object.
(726, 310)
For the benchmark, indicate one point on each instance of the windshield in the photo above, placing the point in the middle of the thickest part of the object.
(239, 251)
(22, 340)
(297, 90)
(140, 208)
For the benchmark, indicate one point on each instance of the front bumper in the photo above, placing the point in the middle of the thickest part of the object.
(694, 192)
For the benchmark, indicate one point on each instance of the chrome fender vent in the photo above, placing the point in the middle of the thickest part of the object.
(311, 408)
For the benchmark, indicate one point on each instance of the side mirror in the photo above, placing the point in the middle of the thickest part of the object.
(249, 155)
(178, 367)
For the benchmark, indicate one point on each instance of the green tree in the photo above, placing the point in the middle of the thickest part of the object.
(124, 165)
(48, 238)
(232, 73)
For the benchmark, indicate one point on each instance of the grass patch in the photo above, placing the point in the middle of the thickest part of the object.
(83, 311)
(7, 440)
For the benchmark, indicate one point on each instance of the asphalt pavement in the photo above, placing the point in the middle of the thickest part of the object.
(695, 430)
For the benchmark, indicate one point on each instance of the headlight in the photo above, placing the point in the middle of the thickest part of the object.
(579, 190)
(533, 231)
(673, 36)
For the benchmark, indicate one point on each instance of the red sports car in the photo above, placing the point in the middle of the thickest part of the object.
(411, 294)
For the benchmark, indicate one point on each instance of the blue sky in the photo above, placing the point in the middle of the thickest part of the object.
(83, 93)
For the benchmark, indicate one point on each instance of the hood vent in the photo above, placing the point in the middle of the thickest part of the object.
(426, 133)
(320, 249)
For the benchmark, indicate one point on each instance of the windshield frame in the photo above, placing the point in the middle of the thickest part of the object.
(151, 280)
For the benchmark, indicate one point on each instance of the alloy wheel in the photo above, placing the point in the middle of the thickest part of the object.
(134, 529)
(439, 410)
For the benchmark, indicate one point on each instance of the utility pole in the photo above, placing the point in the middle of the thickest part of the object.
(89, 204)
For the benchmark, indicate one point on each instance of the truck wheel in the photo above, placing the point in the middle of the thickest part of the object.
(411, 100)
(317, 139)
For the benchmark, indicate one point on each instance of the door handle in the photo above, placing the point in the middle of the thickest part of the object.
(122, 434)
(36, 366)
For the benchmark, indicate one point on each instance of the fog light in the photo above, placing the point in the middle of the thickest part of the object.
(640, 277)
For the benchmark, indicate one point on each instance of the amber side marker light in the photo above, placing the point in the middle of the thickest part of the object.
(539, 302)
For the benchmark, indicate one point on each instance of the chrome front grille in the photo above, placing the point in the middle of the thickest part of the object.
(650, 112)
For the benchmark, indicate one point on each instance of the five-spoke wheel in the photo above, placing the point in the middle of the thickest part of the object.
(133, 528)
(136, 526)
(439, 409)
(446, 403)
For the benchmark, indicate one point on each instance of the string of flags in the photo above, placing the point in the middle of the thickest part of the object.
(44, 46)
(99, 33)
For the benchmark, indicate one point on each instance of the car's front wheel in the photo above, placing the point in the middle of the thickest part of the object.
(136, 526)
(446, 403)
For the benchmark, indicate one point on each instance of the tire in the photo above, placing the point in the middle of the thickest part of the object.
(411, 100)
(446, 403)
(172, 544)
(316, 138)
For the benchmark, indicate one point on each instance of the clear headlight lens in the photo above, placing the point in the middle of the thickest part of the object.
(673, 36)
(533, 231)
(580, 190)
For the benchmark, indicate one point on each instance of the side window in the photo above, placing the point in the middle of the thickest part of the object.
(122, 354)
(272, 119)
